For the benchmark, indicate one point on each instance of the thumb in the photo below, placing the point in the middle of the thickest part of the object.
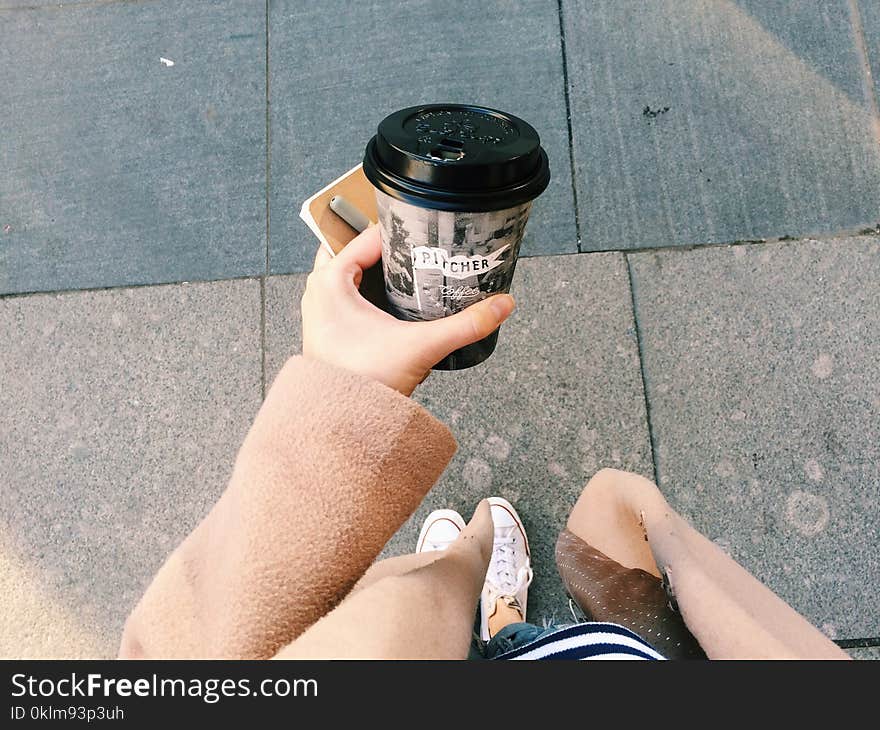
(439, 337)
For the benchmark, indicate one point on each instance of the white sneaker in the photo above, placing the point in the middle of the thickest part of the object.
(440, 530)
(510, 570)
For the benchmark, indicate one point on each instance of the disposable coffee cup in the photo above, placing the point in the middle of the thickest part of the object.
(454, 188)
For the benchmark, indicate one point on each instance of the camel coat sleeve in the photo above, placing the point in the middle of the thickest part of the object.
(332, 466)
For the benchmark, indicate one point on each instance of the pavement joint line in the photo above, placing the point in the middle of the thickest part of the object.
(859, 232)
(823, 238)
(862, 49)
(268, 138)
(268, 179)
(574, 195)
(858, 643)
(120, 287)
(635, 316)
(262, 338)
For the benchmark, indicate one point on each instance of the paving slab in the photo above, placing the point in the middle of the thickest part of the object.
(762, 386)
(337, 68)
(119, 168)
(698, 122)
(124, 412)
(559, 399)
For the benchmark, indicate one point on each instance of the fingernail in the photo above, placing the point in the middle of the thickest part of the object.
(502, 305)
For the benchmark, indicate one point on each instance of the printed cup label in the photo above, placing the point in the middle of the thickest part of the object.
(455, 267)
(437, 263)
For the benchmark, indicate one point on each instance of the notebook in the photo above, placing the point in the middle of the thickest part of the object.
(334, 233)
(331, 230)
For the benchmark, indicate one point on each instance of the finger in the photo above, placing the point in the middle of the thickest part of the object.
(439, 337)
(322, 257)
(362, 251)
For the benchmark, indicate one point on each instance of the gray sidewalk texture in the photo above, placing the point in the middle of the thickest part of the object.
(697, 301)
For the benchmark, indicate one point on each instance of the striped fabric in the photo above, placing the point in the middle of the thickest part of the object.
(586, 641)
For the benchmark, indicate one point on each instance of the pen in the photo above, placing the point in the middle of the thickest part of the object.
(349, 213)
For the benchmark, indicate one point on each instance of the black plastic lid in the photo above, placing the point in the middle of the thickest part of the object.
(457, 157)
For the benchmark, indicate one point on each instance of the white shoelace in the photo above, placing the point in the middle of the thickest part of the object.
(503, 565)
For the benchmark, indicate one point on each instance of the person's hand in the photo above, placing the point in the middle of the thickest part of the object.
(342, 328)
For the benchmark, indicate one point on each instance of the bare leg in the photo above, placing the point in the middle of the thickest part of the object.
(507, 612)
